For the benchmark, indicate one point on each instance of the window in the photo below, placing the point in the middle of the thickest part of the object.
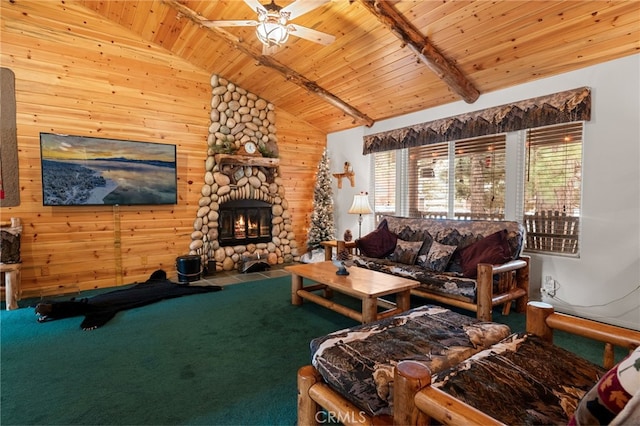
(553, 186)
(428, 172)
(384, 195)
(461, 179)
(466, 179)
(480, 178)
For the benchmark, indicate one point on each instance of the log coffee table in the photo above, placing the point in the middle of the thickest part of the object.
(361, 283)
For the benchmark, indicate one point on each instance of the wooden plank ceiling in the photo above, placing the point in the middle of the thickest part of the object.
(369, 72)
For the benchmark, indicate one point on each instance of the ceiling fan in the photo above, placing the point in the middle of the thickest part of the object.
(273, 27)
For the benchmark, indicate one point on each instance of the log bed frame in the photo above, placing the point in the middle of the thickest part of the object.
(417, 403)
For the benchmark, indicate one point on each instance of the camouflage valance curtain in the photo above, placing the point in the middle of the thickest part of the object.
(562, 107)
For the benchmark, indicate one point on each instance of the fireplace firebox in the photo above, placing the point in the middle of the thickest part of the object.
(244, 222)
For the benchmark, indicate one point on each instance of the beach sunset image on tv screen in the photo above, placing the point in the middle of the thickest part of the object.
(79, 170)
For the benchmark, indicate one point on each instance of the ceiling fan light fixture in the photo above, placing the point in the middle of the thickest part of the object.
(272, 28)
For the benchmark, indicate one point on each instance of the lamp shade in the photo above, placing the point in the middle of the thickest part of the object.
(272, 29)
(360, 204)
(272, 33)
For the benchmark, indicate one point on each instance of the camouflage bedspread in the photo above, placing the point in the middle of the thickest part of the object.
(522, 380)
(358, 362)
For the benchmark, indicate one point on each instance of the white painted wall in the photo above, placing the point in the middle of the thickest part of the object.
(348, 147)
(604, 282)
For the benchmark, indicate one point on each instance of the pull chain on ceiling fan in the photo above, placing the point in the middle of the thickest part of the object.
(273, 27)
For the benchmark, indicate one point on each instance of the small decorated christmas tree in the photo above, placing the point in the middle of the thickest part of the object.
(322, 225)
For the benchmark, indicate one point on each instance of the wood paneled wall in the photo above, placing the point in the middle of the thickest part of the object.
(79, 74)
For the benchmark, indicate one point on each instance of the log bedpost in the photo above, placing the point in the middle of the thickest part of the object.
(409, 378)
(484, 291)
(307, 407)
(537, 314)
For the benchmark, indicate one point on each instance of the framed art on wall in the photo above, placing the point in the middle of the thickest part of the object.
(80, 170)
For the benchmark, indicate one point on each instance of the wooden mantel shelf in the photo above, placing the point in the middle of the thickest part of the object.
(246, 160)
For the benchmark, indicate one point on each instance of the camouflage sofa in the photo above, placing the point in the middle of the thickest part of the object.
(471, 264)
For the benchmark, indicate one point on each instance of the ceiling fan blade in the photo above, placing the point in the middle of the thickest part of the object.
(300, 7)
(245, 23)
(255, 5)
(311, 34)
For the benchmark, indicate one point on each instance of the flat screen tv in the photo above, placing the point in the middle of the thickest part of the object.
(85, 171)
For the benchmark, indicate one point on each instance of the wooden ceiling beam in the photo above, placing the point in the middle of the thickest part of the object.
(267, 61)
(422, 47)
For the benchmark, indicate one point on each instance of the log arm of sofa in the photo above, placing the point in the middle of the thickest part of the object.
(514, 285)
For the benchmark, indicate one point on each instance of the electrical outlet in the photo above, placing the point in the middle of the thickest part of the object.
(549, 286)
(552, 286)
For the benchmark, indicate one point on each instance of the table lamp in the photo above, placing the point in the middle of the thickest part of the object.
(360, 206)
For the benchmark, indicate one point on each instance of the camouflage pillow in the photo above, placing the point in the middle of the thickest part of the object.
(406, 251)
(438, 257)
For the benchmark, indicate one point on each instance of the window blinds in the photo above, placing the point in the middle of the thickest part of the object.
(553, 184)
(428, 180)
(480, 178)
(384, 196)
(461, 179)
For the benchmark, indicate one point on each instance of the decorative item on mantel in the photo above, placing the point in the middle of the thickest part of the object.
(348, 173)
(360, 206)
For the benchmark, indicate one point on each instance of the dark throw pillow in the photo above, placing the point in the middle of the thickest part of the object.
(493, 249)
(379, 243)
(406, 251)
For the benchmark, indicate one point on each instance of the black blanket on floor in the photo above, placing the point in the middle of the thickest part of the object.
(98, 310)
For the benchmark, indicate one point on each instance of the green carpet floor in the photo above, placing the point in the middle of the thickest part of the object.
(224, 358)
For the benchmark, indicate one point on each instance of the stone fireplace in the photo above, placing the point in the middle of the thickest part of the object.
(242, 210)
